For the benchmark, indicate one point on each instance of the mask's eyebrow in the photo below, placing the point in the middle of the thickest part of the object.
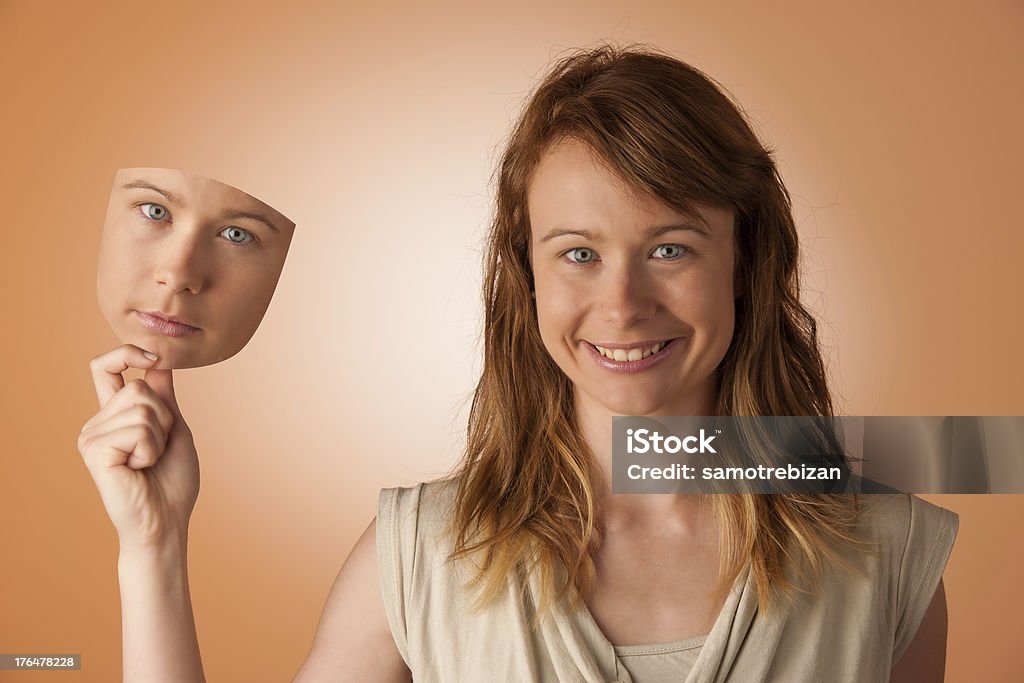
(179, 201)
(656, 231)
(143, 185)
(252, 216)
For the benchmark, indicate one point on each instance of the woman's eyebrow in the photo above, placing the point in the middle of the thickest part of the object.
(701, 230)
(143, 185)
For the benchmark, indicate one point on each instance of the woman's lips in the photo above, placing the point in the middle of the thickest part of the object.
(630, 367)
(168, 328)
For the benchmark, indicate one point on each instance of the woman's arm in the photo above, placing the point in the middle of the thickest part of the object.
(157, 626)
(354, 641)
(141, 456)
(925, 658)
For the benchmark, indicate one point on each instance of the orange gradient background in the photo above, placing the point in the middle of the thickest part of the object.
(376, 126)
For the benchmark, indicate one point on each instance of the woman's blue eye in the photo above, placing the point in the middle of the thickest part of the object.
(154, 212)
(670, 252)
(582, 255)
(236, 235)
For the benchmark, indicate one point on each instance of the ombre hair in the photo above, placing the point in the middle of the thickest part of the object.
(526, 488)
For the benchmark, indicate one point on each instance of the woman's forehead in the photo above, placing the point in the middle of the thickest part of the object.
(573, 189)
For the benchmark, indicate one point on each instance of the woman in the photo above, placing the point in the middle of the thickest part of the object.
(642, 261)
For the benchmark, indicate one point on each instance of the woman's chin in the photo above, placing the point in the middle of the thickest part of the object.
(634, 405)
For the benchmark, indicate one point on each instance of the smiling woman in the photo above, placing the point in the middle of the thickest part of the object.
(187, 265)
(643, 260)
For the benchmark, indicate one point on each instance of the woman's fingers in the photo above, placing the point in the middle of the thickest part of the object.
(138, 449)
(135, 393)
(136, 445)
(139, 414)
(107, 368)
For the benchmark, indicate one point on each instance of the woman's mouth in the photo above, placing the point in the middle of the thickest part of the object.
(632, 358)
(154, 322)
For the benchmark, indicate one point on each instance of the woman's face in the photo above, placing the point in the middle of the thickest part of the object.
(618, 274)
(187, 265)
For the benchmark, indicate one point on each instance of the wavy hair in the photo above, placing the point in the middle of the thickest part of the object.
(525, 499)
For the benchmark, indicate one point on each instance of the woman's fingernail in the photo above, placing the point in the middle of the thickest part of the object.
(150, 355)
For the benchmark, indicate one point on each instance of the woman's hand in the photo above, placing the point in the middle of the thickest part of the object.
(139, 451)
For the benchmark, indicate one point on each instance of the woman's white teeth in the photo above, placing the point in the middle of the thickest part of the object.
(633, 354)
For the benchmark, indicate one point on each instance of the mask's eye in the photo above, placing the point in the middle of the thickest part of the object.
(237, 235)
(154, 212)
(669, 252)
(581, 255)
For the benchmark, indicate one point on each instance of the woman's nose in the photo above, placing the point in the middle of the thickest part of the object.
(626, 296)
(182, 266)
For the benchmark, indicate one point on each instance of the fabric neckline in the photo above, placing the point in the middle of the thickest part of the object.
(713, 644)
(661, 648)
(738, 583)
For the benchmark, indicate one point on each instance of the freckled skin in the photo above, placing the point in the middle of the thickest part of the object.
(191, 257)
(628, 291)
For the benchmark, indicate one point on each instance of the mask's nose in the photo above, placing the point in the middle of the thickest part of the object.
(182, 265)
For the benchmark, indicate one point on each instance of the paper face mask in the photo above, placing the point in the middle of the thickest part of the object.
(187, 265)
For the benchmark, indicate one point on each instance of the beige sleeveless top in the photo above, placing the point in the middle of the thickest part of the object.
(854, 629)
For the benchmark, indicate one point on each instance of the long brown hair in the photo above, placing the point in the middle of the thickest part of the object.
(526, 488)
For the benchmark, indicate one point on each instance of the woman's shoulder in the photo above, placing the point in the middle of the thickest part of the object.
(905, 522)
(907, 542)
(428, 502)
(414, 543)
(416, 520)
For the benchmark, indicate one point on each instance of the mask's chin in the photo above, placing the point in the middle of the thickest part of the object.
(171, 355)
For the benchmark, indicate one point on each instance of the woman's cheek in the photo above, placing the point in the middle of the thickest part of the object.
(725, 327)
(555, 324)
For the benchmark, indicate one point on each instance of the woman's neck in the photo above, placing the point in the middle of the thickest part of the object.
(626, 510)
